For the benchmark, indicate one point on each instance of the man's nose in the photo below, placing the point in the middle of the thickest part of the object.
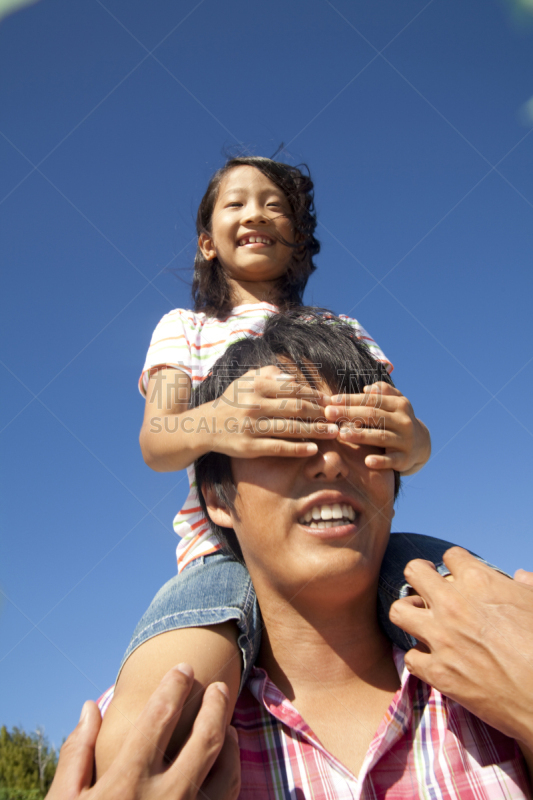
(329, 463)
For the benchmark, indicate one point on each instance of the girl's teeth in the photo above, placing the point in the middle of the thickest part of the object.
(254, 239)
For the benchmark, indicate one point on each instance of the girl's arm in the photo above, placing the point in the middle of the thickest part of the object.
(215, 656)
(165, 444)
(257, 415)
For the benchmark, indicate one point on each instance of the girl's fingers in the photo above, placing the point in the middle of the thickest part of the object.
(373, 393)
(281, 447)
(295, 428)
(395, 453)
(376, 437)
(283, 406)
(290, 407)
(199, 753)
(360, 399)
(362, 420)
(381, 387)
(272, 379)
(283, 390)
(264, 428)
(395, 461)
(362, 416)
(264, 445)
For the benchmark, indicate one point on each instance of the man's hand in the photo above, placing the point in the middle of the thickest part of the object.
(382, 417)
(141, 772)
(478, 631)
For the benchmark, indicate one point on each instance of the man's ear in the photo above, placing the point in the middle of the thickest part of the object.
(207, 246)
(218, 511)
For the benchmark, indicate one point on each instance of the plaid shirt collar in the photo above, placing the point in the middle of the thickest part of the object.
(392, 726)
(426, 746)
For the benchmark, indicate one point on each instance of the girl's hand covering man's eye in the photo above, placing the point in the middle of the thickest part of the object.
(266, 412)
(382, 417)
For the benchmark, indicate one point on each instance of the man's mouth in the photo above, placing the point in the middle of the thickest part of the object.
(329, 516)
(255, 239)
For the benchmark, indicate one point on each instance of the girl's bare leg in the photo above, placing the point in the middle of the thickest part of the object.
(211, 651)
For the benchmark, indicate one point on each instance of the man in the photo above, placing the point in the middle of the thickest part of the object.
(330, 701)
(330, 710)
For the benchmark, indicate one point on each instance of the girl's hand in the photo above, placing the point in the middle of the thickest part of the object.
(264, 412)
(382, 417)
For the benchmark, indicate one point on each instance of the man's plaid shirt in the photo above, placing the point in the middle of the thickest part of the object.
(426, 746)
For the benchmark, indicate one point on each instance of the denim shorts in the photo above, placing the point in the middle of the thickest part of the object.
(210, 590)
(217, 588)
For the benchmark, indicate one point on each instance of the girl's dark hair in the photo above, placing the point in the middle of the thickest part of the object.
(210, 288)
(323, 347)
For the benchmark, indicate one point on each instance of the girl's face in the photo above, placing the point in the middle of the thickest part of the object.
(249, 217)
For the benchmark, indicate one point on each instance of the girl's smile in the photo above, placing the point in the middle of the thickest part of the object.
(255, 241)
(250, 223)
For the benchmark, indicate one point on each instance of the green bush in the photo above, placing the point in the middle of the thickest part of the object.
(20, 794)
(27, 764)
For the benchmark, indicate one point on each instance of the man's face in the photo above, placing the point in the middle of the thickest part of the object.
(323, 518)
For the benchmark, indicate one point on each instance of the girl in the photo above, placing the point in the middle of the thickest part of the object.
(256, 245)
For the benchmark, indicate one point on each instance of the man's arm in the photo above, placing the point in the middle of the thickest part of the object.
(208, 765)
(478, 632)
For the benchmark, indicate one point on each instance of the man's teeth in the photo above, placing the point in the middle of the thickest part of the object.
(328, 516)
(253, 239)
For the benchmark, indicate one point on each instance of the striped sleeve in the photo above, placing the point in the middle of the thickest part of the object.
(169, 347)
(372, 345)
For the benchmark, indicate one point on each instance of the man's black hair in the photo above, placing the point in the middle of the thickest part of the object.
(323, 348)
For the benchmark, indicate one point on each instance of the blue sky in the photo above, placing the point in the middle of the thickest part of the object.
(113, 115)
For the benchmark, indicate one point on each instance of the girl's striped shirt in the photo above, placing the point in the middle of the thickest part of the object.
(192, 342)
